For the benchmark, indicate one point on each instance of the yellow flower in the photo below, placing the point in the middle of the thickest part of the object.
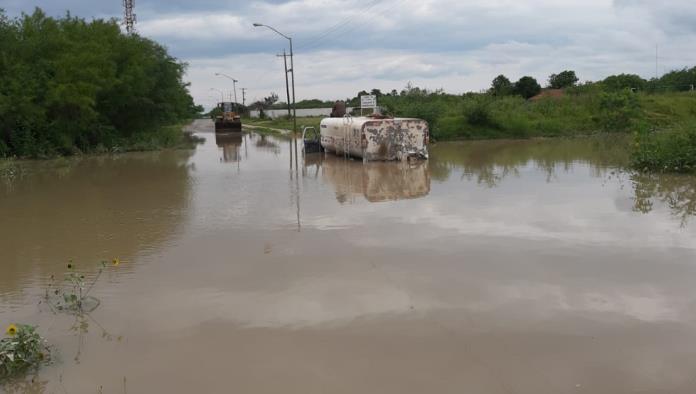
(11, 330)
(115, 262)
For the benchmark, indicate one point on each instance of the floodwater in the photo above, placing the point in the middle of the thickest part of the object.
(494, 267)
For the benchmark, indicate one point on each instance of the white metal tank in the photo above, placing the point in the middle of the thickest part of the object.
(376, 139)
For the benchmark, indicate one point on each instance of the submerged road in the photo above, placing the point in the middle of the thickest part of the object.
(524, 267)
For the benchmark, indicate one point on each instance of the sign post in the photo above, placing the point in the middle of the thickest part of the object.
(368, 101)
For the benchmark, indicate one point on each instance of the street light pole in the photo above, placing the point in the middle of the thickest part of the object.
(292, 69)
(294, 108)
(234, 84)
(287, 84)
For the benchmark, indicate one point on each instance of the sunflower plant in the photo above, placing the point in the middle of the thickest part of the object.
(73, 294)
(21, 349)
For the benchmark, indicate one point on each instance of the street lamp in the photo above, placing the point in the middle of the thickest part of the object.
(292, 69)
(234, 83)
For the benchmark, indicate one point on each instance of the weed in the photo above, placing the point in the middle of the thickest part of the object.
(21, 350)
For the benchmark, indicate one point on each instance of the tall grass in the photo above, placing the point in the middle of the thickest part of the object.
(673, 150)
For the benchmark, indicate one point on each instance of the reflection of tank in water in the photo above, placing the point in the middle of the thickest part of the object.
(376, 181)
(230, 144)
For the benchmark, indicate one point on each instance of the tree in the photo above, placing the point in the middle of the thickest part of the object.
(563, 80)
(270, 100)
(376, 92)
(623, 82)
(501, 86)
(679, 80)
(527, 87)
(69, 85)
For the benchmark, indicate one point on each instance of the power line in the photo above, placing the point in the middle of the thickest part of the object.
(335, 27)
(346, 28)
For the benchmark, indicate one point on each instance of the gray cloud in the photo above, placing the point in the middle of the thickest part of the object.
(344, 46)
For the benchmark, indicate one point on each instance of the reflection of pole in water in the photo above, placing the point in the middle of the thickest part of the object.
(295, 138)
(297, 187)
(297, 197)
(290, 150)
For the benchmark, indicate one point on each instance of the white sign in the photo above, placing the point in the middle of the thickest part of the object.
(368, 101)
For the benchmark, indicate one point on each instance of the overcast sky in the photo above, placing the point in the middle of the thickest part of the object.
(344, 46)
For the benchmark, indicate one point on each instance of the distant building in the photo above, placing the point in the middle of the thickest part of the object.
(303, 112)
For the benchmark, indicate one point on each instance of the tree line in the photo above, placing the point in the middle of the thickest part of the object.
(68, 85)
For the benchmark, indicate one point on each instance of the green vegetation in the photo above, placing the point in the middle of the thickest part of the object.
(284, 123)
(73, 295)
(68, 86)
(563, 80)
(663, 120)
(21, 350)
(669, 151)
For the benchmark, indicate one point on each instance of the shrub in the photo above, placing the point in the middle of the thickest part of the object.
(672, 151)
(21, 350)
(478, 113)
(618, 111)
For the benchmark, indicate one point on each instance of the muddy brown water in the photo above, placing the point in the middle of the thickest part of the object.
(494, 267)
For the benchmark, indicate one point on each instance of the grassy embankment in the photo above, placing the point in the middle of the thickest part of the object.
(271, 126)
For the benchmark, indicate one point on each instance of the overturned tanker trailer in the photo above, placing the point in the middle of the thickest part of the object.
(376, 138)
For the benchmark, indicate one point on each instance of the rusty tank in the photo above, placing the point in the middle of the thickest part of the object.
(376, 138)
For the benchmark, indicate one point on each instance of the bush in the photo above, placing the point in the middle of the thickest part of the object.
(21, 350)
(618, 111)
(478, 113)
(672, 151)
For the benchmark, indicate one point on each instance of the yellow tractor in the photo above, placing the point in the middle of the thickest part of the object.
(229, 120)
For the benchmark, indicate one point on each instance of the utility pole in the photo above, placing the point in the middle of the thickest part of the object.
(656, 60)
(292, 69)
(129, 17)
(294, 107)
(244, 97)
(287, 86)
(234, 84)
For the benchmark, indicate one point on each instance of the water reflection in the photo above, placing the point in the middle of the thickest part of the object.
(375, 181)
(490, 162)
(230, 144)
(88, 209)
(676, 191)
(266, 143)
